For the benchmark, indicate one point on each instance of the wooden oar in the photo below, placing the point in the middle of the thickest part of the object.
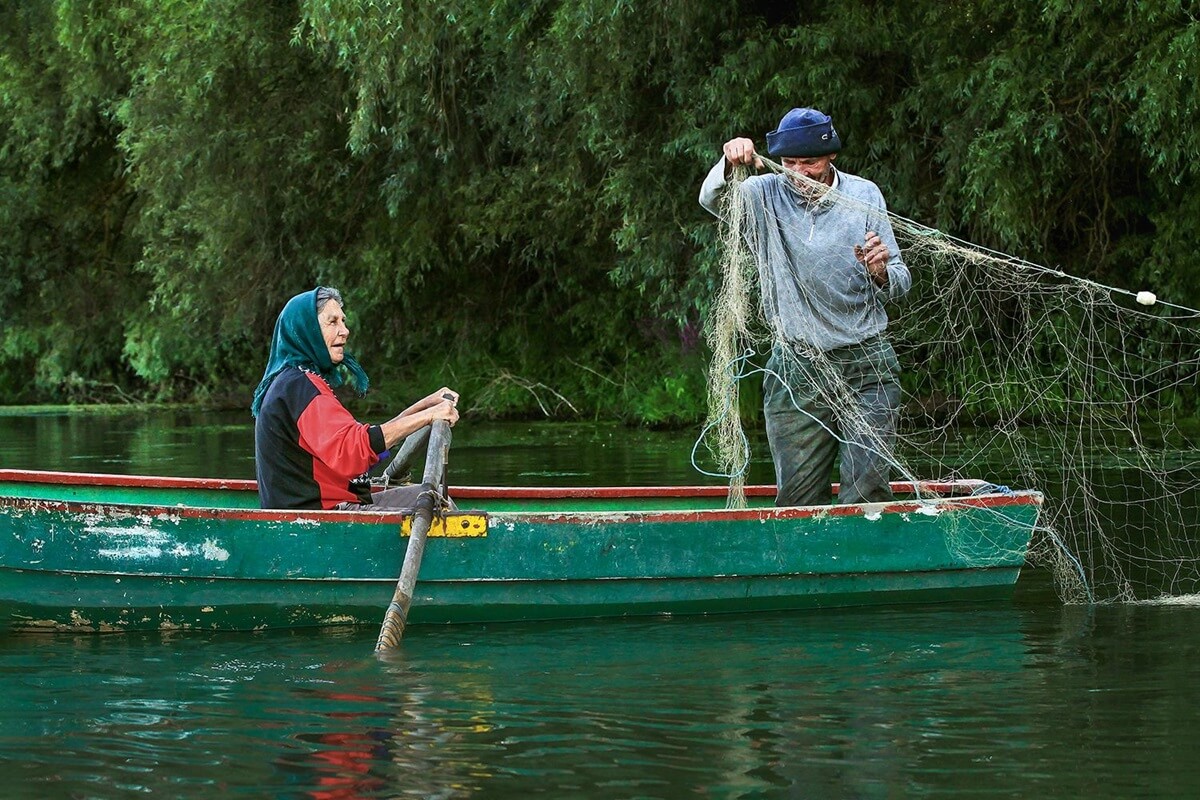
(404, 456)
(435, 468)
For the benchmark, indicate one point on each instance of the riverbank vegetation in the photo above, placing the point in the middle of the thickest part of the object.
(505, 191)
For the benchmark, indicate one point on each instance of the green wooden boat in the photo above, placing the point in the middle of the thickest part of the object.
(83, 552)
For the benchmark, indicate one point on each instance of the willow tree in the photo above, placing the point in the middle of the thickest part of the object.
(506, 191)
(65, 206)
(537, 175)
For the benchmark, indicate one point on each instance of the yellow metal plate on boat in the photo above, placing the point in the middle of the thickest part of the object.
(451, 525)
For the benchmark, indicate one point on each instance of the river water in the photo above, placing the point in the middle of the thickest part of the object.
(1020, 698)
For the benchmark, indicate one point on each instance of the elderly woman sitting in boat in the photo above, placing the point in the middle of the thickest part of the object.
(309, 451)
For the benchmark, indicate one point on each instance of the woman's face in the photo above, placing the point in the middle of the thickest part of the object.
(333, 328)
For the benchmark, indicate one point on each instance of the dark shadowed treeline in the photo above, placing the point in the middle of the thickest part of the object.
(505, 190)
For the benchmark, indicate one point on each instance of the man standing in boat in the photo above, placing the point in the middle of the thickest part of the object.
(828, 262)
(309, 451)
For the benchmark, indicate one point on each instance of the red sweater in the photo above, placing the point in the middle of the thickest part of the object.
(309, 451)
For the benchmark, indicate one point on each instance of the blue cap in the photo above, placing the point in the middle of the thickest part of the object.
(803, 133)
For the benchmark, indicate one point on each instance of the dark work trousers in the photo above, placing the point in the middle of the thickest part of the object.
(397, 498)
(806, 434)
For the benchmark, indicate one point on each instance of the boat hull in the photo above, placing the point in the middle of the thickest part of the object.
(98, 553)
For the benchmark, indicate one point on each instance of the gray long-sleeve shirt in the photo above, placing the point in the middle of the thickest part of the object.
(814, 290)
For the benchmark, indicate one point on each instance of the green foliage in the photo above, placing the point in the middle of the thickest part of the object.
(505, 191)
(63, 208)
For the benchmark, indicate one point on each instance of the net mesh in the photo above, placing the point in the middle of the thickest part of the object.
(1016, 374)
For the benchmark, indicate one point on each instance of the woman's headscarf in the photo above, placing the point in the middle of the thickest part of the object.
(298, 342)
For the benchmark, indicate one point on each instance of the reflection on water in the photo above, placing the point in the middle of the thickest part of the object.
(145, 442)
(1020, 699)
(987, 700)
(221, 445)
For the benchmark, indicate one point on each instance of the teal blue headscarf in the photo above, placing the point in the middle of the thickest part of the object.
(298, 342)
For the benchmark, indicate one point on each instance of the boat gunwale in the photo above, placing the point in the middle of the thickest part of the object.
(532, 492)
(563, 516)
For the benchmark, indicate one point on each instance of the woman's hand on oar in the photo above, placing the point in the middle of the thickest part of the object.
(441, 405)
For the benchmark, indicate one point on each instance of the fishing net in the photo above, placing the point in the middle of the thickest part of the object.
(1013, 373)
